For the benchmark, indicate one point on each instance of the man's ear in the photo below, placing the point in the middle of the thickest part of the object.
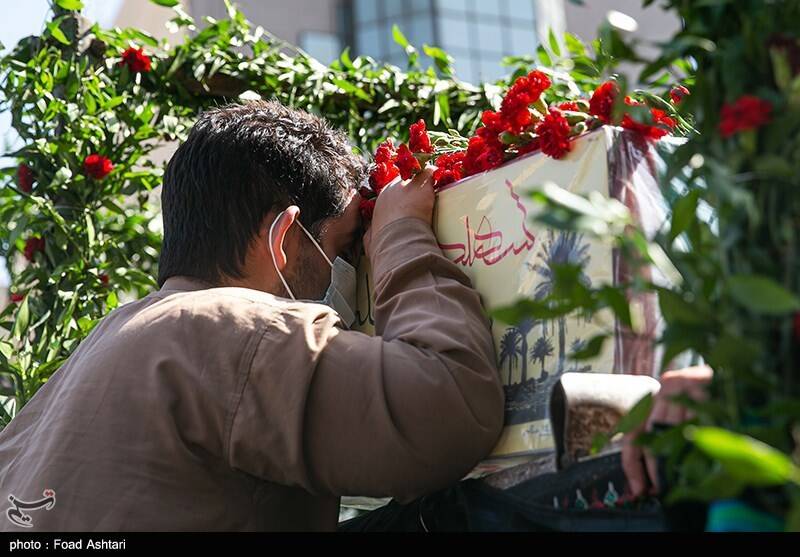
(279, 230)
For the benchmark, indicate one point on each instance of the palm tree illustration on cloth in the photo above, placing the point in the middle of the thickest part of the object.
(564, 248)
(514, 347)
(541, 350)
(576, 346)
(509, 350)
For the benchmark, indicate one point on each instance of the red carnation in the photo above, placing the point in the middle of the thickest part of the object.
(449, 169)
(677, 93)
(25, 178)
(366, 207)
(17, 297)
(570, 105)
(602, 101)
(385, 152)
(33, 245)
(419, 141)
(662, 123)
(382, 175)
(406, 163)
(553, 134)
(493, 125)
(136, 60)
(97, 166)
(482, 155)
(650, 132)
(747, 113)
(525, 91)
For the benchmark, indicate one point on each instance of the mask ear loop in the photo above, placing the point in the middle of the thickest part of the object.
(313, 241)
(274, 261)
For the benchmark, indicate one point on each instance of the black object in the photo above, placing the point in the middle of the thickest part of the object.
(536, 505)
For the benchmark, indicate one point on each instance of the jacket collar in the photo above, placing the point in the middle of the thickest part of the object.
(185, 284)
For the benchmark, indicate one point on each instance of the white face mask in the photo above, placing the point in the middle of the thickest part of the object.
(341, 294)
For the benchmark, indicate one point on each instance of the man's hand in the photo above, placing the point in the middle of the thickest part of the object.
(639, 464)
(403, 199)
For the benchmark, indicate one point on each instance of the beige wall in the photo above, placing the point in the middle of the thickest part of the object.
(285, 19)
(143, 14)
(654, 23)
(289, 18)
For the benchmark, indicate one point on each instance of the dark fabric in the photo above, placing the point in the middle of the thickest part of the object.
(474, 506)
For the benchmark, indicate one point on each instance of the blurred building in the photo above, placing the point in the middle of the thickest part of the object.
(477, 33)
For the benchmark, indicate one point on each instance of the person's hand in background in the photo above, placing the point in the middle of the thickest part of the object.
(640, 467)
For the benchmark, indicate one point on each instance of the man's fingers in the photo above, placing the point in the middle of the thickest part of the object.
(658, 415)
(674, 414)
(424, 178)
(639, 464)
(633, 466)
(652, 471)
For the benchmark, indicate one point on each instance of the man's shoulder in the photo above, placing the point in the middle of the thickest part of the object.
(240, 307)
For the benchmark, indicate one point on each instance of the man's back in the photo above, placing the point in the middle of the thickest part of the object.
(146, 405)
(231, 409)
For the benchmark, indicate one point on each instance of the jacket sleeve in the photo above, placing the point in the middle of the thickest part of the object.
(400, 414)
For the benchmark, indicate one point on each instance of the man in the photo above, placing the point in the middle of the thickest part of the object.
(231, 399)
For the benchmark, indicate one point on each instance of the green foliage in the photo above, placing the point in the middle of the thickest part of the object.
(70, 96)
(730, 249)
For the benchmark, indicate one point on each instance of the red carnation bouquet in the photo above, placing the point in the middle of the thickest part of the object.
(524, 124)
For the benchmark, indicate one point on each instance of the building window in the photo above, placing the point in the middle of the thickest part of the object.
(325, 47)
(477, 33)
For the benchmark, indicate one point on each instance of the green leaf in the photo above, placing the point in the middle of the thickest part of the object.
(70, 4)
(628, 423)
(111, 300)
(388, 105)
(399, 38)
(348, 87)
(22, 320)
(47, 369)
(744, 457)
(57, 33)
(677, 310)
(762, 295)
(525, 308)
(167, 3)
(555, 47)
(90, 234)
(6, 349)
(614, 297)
(113, 102)
(599, 441)
(684, 212)
(345, 59)
(719, 484)
(90, 104)
(591, 350)
(442, 60)
(443, 103)
(637, 415)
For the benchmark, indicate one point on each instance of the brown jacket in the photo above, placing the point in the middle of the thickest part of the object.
(200, 408)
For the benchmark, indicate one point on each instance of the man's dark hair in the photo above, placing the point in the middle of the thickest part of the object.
(240, 162)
